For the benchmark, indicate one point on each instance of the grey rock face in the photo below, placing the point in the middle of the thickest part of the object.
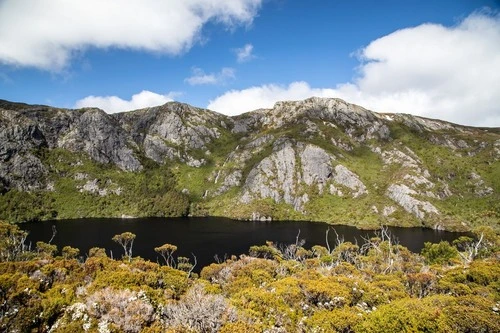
(24, 173)
(156, 149)
(316, 165)
(165, 130)
(102, 139)
(344, 176)
(396, 156)
(191, 161)
(91, 131)
(19, 138)
(359, 123)
(231, 180)
(402, 194)
(19, 168)
(291, 169)
(415, 182)
(424, 124)
(496, 146)
(335, 191)
(91, 186)
(291, 153)
(248, 122)
(388, 210)
(273, 177)
(172, 128)
(24, 131)
(260, 141)
(419, 180)
(340, 144)
(176, 123)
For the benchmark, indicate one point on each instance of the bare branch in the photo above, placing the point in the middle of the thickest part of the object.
(54, 232)
(194, 264)
(327, 242)
(297, 239)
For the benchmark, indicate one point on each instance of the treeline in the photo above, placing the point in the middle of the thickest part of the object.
(150, 192)
(376, 286)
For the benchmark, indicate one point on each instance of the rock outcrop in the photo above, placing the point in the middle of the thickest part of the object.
(275, 177)
(99, 135)
(357, 122)
(172, 130)
(347, 178)
(403, 195)
(290, 172)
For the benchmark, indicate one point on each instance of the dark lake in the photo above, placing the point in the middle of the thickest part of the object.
(207, 236)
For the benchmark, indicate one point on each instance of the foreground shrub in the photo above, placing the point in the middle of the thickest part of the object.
(198, 311)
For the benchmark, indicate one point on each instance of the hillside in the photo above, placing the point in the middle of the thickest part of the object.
(317, 159)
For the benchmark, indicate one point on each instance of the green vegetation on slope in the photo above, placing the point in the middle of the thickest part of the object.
(150, 192)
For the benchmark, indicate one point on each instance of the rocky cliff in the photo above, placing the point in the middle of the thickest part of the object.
(317, 159)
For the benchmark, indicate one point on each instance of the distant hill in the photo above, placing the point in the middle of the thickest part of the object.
(317, 159)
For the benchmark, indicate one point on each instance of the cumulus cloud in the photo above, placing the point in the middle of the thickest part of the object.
(112, 104)
(449, 73)
(199, 76)
(244, 54)
(452, 73)
(46, 33)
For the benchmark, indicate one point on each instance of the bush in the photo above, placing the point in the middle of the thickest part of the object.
(442, 253)
(196, 311)
(337, 320)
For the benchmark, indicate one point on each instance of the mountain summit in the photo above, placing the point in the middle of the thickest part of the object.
(317, 159)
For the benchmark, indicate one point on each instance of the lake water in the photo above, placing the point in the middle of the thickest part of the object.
(208, 236)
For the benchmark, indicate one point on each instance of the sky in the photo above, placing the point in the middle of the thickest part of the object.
(437, 59)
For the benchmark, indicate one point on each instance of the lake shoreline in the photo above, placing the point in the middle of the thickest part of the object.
(367, 227)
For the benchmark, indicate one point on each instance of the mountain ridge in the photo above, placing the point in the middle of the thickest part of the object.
(316, 159)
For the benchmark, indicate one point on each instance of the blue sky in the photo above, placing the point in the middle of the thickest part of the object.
(439, 59)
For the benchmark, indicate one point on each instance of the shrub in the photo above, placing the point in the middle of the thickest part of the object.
(330, 321)
(129, 311)
(69, 252)
(197, 311)
(442, 253)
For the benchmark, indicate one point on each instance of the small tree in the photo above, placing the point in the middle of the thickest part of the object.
(485, 242)
(12, 242)
(167, 251)
(184, 264)
(126, 240)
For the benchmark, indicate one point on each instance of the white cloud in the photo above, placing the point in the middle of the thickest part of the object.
(199, 77)
(245, 53)
(112, 104)
(46, 33)
(449, 73)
